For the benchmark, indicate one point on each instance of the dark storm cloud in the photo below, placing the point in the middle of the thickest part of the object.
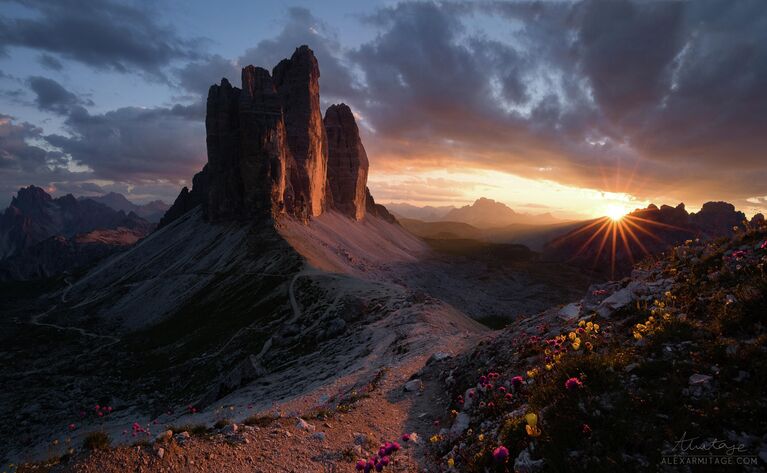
(132, 144)
(53, 97)
(22, 162)
(672, 90)
(50, 62)
(301, 27)
(100, 33)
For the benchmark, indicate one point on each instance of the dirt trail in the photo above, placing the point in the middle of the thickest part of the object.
(282, 446)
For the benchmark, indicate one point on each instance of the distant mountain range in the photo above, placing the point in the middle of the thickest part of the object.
(613, 247)
(41, 236)
(152, 211)
(484, 213)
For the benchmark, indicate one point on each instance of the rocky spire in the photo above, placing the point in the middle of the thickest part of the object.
(347, 163)
(268, 150)
(297, 82)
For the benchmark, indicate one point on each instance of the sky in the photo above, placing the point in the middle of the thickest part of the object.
(548, 106)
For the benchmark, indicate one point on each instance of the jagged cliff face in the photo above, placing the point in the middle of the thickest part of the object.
(270, 153)
(347, 163)
(297, 82)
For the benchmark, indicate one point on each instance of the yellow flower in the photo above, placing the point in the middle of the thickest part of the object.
(532, 425)
(571, 335)
(481, 437)
(549, 366)
(651, 319)
(547, 352)
(435, 438)
(532, 373)
(667, 316)
(596, 327)
(637, 335)
(589, 346)
(590, 324)
(582, 323)
(450, 462)
(577, 345)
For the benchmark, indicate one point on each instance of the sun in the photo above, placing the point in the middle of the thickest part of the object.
(616, 212)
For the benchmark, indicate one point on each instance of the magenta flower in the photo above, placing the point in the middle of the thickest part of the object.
(573, 383)
(500, 455)
(517, 381)
(508, 396)
(482, 379)
(71, 426)
(360, 465)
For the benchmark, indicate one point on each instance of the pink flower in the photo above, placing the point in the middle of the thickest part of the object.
(360, 465)
(71, 426)
(517, 381)
(586, 429)
(573, 383)
(471, 393)
(500, 455)
(482, 379)
(405, 437)
(502, 390)
(508, 396)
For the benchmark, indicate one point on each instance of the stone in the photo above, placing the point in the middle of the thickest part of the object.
(164, 436)
(413, 385)
(319, 436)
(230, 429)
(303, 425)
(460, 424)
(348, 165)
(160, 452)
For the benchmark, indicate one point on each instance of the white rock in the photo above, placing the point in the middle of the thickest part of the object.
(160, 452)
(699, 379)
(525, 464)
(413, 385)
(570, 311)
(460, 424)
(303, 425)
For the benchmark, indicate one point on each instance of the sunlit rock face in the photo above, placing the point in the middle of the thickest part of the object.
(347, 163)
(268, 150)
(297, 82)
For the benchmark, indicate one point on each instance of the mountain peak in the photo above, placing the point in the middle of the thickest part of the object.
(270, 153)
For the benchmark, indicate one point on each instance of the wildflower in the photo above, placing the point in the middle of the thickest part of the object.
(481, 437)
(586, 429)
(588, 346)
(501, 389)
(71, 426)
(450, 463)
(637, 335)
(582, 323)
(500, 455)
(532, 373)
(361, 465)
(482, 379)
(508, 396)
(517, 381)
(532, 425)
(471, 393)
(573, 383)
(571, 336)
(549, 366)
(405, 437)
(435, 438)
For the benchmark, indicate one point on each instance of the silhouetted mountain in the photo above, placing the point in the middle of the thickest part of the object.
(427, 213)
(152, 211)
(613, 247)
(35, 226)
(487, 213)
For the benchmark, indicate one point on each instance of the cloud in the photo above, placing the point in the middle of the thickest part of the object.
(50, 62)
(134, 144)
(53, 97)
(669, 92)
(101, 33)
(24, 159)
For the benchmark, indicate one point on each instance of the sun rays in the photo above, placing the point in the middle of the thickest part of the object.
(618, 232)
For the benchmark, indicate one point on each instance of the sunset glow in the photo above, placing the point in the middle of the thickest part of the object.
(616, 212)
